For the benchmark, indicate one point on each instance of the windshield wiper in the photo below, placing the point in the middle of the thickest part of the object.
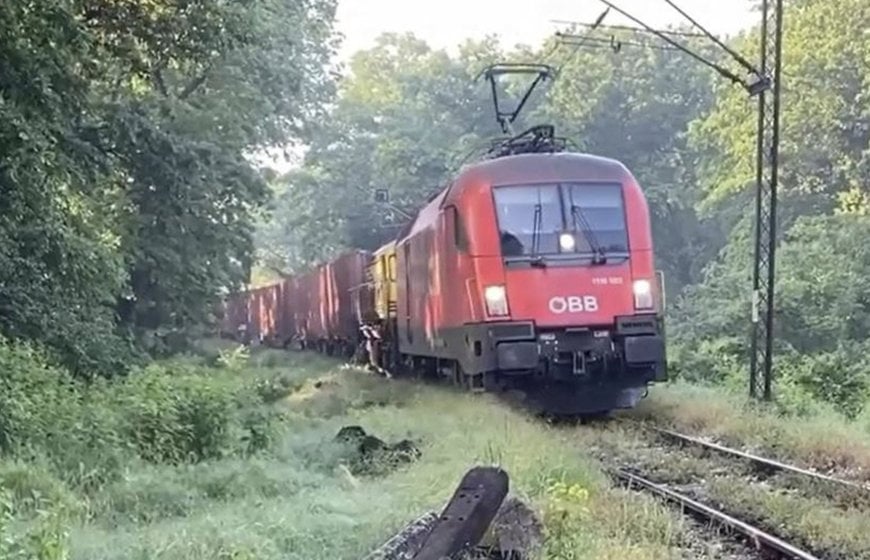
(598, 254)
(536, 259)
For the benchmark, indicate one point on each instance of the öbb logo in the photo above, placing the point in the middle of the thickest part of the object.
(573, 304)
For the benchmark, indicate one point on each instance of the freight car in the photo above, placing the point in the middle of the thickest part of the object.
(258, 315)
(320, 309)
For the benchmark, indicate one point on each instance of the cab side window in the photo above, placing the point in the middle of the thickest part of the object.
(460, 238)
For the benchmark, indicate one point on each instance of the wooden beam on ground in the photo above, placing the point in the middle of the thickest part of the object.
(468, 514)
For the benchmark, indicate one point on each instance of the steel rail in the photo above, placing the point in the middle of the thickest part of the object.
(758, 460)
(758, 537)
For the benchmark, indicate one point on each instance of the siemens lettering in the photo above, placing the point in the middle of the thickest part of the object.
(573, 304)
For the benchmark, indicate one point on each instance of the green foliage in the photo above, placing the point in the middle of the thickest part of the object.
(405, 120)
(46, 539)
(822, 313)
(163, 441)
(839, 377)
(709, 361)
(59, 266)
(44, 413)
(824, 299)
(164, 413)
(175, 417)
(127, 188)
(825, 112)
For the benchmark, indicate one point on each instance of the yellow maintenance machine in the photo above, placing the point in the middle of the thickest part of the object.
(378, 328)
(382, 272)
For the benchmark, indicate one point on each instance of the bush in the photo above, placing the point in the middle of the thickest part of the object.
(708, 361)
(804, 382)
(175, 415)
(174, 412)
(840, 377)
(34, 395)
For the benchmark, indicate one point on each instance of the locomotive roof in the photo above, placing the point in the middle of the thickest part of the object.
(542, 167)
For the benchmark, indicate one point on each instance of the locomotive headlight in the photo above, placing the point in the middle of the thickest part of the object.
(496, 301)
(643, 298)
(567, 241)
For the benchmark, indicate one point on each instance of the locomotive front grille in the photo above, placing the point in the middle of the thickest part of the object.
(637, 325)
(513, 331)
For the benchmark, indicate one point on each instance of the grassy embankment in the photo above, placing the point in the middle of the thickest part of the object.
(234, 458)
(820, 438)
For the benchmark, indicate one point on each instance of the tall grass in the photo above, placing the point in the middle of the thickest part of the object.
(818, 437)
(178, 470)
(298, 502)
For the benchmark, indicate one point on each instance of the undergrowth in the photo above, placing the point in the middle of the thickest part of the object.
(230, 453)
(225, 454)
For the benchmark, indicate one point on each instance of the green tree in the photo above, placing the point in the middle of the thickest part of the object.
(127, 140)
(60, 269)
(825, 116)
(405, 119)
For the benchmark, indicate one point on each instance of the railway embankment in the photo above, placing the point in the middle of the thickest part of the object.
(822, 516)
(226, 454)
(819, 439)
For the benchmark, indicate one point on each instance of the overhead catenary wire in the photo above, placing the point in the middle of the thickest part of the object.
(613, 43)
(737, 56)
(718, 68)
(617, 27)
(592, 28)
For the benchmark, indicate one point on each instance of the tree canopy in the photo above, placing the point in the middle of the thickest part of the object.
(127, 194)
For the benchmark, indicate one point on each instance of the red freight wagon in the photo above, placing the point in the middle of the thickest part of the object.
(257, 319)
(265, 310)
(313, 284)
(284, 321)
(292, 310)
(345, 275)
(299, 303)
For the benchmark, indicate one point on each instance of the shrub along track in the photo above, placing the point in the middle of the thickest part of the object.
(781, 510)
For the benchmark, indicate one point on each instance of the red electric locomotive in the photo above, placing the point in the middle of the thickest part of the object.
(534, 272)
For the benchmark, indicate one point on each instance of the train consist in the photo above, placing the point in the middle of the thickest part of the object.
(531, 273)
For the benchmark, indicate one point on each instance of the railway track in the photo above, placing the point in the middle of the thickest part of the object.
(770, 513)
(762, 463)
(769, 545)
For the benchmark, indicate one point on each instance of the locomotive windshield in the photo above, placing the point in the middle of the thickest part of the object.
(533, 220)
(522, 210)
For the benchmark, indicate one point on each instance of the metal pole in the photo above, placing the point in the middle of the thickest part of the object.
(767, 177)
